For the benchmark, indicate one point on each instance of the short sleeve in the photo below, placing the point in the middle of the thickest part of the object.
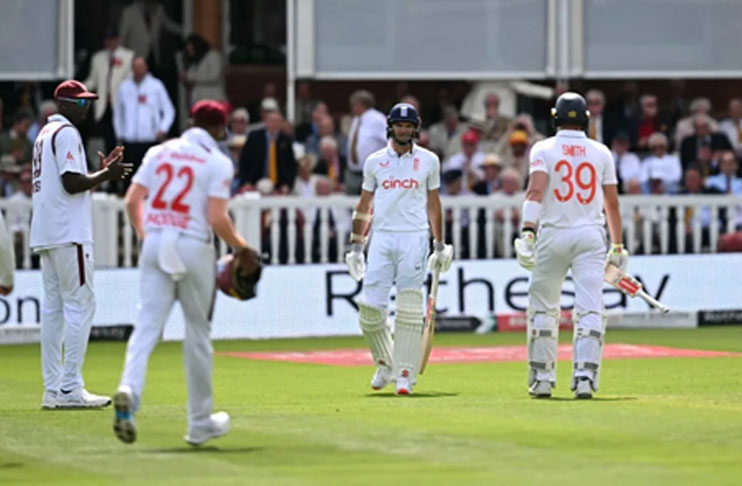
(609, 168)
(434, 177)
(69, 152)
(220, 183)
(537, 162)
(143, 176)
(369, 179)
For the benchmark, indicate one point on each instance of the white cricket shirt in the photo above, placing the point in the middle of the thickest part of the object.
(577, 168)
(400, 185)
(59, 218)
(181, 175)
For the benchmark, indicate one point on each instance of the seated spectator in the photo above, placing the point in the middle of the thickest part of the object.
(598, 127)
(468, 161)
(523, 122)
(15, 141)
(311, 127)
(686, 126)
(411, 99)
(703, 135)
(495, 123)
(517, 152)
(445, 136)
(235, 144)
(325, 128)
(268, 153)
(628, 165)
(649, 120)
(492, 167)
(726, 181)
(331, 164)
(203, 76)
(18, 219)
(662, 170)
(268, 105)
(9, 170)
(239, 119)
(707, 159)
(46, 109)
(732, 126)
(305, 184)
(693, 184)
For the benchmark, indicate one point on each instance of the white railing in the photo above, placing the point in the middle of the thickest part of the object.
(296, 230)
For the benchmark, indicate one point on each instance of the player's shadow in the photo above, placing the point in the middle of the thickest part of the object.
(414, 395)
(204, 450)
(594, 399)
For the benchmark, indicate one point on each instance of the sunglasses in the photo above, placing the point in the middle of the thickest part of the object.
(79, 102)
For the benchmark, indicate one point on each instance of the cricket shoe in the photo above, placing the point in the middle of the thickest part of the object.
(49, 400)
(80, 398)
(124, 425)
(404, 387)
(217, 427)
(540, 389)
(584, 388)
(381, 378)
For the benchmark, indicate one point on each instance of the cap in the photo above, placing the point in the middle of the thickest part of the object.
(73, 89)
(452, 175)
(209, 113)
(269, 104)
(518, 136)
(491, 160)
(469, 137)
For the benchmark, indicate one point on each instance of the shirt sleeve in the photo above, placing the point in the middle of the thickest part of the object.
(369, 178)
(68, 151)
(609, 169)
(537, 162)
(143, 176)
(221, 180)
(434, 177)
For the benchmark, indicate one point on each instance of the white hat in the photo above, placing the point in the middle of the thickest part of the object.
(269, 104)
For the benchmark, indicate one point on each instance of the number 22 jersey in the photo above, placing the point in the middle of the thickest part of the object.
(577, 168)
(181, 175)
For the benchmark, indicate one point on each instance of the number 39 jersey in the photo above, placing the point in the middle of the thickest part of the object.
(181, 175)
(577, 168)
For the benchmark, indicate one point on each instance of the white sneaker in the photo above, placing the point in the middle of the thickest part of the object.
(80, 398)
(403, 387)
(49, 400)
(584, 388)
(540, 389)
(124, 425)
(381, 378)
(218, 427)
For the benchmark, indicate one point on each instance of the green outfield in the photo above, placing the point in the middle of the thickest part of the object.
(655, 421)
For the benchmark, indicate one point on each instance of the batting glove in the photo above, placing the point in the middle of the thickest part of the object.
(525, 249)
(356, 262)
(618, 256)
(441, 257)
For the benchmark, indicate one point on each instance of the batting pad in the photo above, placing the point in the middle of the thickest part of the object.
(587, 347)
(408, 329)
(543, 331)
(379, 339)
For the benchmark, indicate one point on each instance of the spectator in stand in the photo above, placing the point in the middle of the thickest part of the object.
(269, 154)
(15, 141)
(46, 109)
(707, 159)
(267, 106)
(203, 74)
(646, 122)
(693, 184)
(628, 165)
(445, 136)
(661, 169)
(9, 170)
(524, 123)
(17, 217)
(495, 124)
(702, 135)
(331, 164)
(598, 127)
(142, 116)
(511, 184)
(726, 181)
(468, 161)
(141, 25)
(492, 167)
(424, 139)
(411, 99)
(239, 120)
(517, 152)
(732, 126)
(305, 105)
(310, 129)
(367, 135)
(686, 126)
(109, 67)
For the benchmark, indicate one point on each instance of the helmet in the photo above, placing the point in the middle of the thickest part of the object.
(238, 275)
(403, 112)
(570, 109)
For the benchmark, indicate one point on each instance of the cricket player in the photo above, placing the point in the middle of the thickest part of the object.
(62, 235)
(572, 180)
(178, 195)
(401, 182)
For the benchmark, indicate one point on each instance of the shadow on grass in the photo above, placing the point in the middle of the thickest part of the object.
(414, 395)
(594, 399)
(202, 450)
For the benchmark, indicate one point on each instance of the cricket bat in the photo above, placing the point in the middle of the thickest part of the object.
(429, 329)
(630, 286)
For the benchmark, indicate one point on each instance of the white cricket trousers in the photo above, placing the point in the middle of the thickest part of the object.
(66, 314)
(400, 257)
(195, 292)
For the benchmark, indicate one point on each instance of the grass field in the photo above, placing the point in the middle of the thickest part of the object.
(654, 421)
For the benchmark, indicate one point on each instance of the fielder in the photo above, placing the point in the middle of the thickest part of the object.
(572, 179)
(186, 183)
(62, 235)
(402, 182)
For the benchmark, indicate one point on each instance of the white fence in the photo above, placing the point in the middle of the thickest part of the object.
(296, 230)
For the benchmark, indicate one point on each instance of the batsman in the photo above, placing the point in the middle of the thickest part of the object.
(400, 183)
